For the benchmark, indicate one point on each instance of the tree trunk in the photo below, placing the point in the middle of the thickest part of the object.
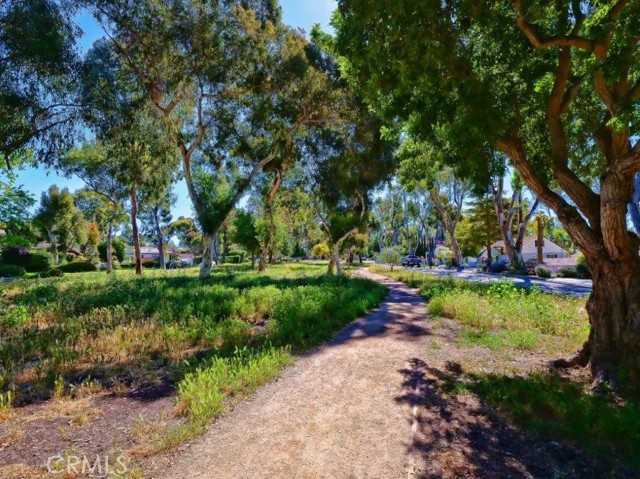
(160, 236)
(109, 248)
(134, 229)
(336, 257)
(455, 248)
(540, 241)
(613, 348)
(489, 251)
(208, 247)
(332, 265)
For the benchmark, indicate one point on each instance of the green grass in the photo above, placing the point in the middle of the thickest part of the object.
(512, 322)
(556, 407)
(501, 316)
(136, 333)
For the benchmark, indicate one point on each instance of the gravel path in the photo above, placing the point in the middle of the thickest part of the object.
(345, 410)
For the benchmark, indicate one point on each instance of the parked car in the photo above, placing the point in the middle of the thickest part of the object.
(411, 260)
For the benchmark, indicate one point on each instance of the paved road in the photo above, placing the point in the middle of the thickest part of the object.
(566, 286)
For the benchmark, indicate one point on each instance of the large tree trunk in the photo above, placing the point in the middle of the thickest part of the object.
(134, 229)
(336, 258)
(109, 248)
(455, 248)
(159, 236)
(613, 349)
(208, 247)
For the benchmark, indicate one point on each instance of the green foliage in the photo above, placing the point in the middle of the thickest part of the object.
(321, 250)
(582, 268)
(11, 270)
(391, 255)
(233, 259)
(117, 247)
(150, 326)
(39, 261)
(566, 272)
(203, 394)
(61, 221)
(52, 273)
(78, 267)
(555, 407)
(32, 261)
(16, 255)
(36, 68)
(543, 272)
(501, 315)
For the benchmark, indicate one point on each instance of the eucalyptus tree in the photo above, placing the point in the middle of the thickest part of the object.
(155, 214)
(15, 213)
(200, 62)
(554, 86)
(95, 164)
(61, 221)
(514, 211)
(422, 166)
(37, 64)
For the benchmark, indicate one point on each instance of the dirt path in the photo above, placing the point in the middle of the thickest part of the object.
(369, 404)
(337, 413)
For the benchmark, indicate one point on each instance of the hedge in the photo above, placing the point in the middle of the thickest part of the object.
(78, 267)
(11, 270)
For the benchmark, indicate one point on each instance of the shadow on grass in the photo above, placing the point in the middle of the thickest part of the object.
(463, 436)
(553, 406)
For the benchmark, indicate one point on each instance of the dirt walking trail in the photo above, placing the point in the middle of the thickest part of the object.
(339, 412)
(370, 404)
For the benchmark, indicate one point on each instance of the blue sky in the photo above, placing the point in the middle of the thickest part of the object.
(298, 13)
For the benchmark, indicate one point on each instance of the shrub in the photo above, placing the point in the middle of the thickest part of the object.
(543, 272)
(77, 267)
(530, 266)
(117, 250)
(582, 268)
(238, 252)
(11, 270)
(154, 263)
(52, 273)
(16, 255)
(39, 261)
(320, 250)
(233, 259)
(391, 255)
(497, 268)
(567, 272)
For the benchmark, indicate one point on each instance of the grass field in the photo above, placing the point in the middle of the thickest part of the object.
(505, 335)
(168, 330)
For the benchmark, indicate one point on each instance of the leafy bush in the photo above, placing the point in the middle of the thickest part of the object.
(567, 272)
(582, 268)
(242, 254)
(52, 273)
(444, 255)
(497, 268)
(320, 250)
(233, 259)
(530, 266)
(39, 261)
(154, 263)
(117, 250)
(11, 270)
(391, 255)
(543, 272)
(78, 267)
(16, 255)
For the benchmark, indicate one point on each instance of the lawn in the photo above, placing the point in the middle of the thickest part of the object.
(207, 340)
(503, 337)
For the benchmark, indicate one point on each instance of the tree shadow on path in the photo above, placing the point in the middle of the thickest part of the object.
(460, 436)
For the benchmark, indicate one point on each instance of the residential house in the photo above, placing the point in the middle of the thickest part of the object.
(550, 251)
